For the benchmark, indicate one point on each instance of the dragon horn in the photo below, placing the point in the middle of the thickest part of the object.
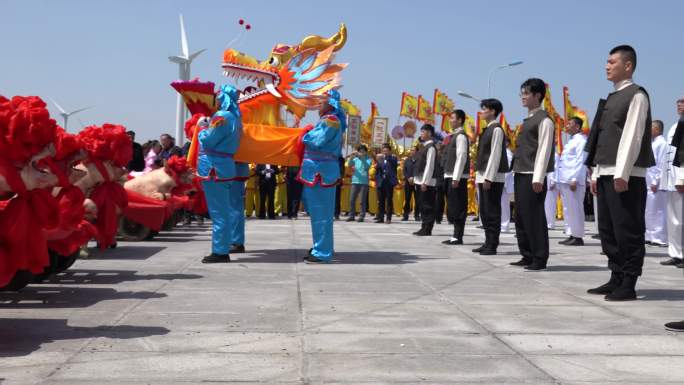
(337, 40)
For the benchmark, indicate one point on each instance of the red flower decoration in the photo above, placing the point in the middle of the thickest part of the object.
(107, 143)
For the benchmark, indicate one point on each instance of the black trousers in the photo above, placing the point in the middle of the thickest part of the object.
(427, 207)
(267, 192)
(385, 200)
(457, 206)
(531, 228)
(490, 212)
(410, 191)
(338, 200)
(441, 197)
(294, 196)
(622, 224)
(418, 200)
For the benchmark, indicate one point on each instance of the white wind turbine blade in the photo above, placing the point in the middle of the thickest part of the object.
(58, 106)
(79, 110)
(184, 38)
(178, 59)
(194, 55)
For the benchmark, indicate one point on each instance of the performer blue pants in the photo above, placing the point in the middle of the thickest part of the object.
(222, 214)
(320, 203)
(237, 202)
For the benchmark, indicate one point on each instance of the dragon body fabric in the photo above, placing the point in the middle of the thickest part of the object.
(292, 79)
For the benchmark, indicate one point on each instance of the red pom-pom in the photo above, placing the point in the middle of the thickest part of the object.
(25, 127)
(108, 143)
(177, 164)
(241, 22)
(66, 144)
(248, 27)
(190, 125)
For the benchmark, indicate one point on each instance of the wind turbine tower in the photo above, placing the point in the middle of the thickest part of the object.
(65, 115)
(184, 61)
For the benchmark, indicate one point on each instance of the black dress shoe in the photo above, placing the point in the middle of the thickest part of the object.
(361, 220)
(564, 241)
(351, 219)
(677, 326)
(595, 236)
(388, 221)
(310, 259)
(404, 219)
(658, 244)
(647, 242)
(378, 221)
(237, 249)
(622, 293)
(671, 262)
(478, 249)
(216, 258)
(422, 233)
(610, 286)
(575, 242)
(455, 242)
(488, 251)
(522, 262)
(535, 266)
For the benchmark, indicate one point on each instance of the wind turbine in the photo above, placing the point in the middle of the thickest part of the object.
(65, 115)
(184, 60)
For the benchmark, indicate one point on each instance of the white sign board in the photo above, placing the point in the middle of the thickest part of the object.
(380, 127)
(353, 130)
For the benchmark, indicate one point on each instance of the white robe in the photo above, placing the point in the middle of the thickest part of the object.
(656, 202)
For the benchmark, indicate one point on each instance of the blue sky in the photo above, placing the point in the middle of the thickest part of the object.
(113, 54)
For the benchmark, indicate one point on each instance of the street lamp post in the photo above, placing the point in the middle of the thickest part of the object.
(468, 96)
(490, 81)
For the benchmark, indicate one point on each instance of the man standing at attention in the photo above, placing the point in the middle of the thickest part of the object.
(572, 176)
(532, 161)
(426, 179)
(456, 175)
(385, 180)
(619, 147)
(491, 167)
(360, 163)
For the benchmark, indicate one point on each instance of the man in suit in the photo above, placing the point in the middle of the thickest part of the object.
(267, 184)
(294, 191)
(409, 190)
(385, 180)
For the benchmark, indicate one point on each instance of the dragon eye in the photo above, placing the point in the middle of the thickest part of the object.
(273, 61)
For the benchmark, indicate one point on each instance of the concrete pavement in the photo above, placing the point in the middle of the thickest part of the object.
(392, 309)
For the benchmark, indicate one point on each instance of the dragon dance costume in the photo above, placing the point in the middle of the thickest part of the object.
(215, 165)
(320, 173)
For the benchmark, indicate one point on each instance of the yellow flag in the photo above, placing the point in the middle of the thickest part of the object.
(571, 111)
(425, 110)
(548, 106)
(350, 108)
(441, 103)
(409, 105)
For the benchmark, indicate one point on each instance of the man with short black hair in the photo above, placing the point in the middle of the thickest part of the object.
(656, 198)
(385, 180)
(456, 175)
(137, 162)
(426, 178)
(572, 176)
(532, 161)
(619, 147)
(169, 147)
(491, 166)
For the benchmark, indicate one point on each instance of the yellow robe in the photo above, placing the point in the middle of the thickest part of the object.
(251, 193)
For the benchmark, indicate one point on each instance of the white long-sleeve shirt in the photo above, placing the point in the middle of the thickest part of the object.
(570, 166)
(491, 172)
(671, 176)
(659, 147)
(544, 148)
(426, 178)
(461, 155)
(630, 141)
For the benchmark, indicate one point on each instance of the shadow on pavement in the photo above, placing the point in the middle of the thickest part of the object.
(351, 258)
(126, 252)
(20, 337)
(110, 277)
(576, 268)
(661, 295)
(49, 297)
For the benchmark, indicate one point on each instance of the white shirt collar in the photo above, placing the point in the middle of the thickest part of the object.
(425, 143)
(492, 122)
(623, 84)
(458, 130)
(534, 111)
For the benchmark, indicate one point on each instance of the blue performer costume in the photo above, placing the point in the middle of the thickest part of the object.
(215, 165)
(319, 173)
(237, 201)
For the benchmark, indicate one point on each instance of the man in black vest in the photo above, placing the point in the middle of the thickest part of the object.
(425, 177)
(456, 174)
(491, 166)
(409, 190)
(531, 163)
(619, 148)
